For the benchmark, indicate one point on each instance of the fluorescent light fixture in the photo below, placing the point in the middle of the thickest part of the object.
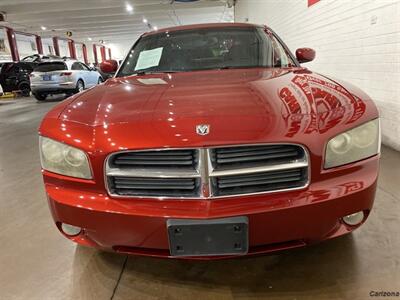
(145, 20)
(89, 38)
(129, 8)
(43, 27)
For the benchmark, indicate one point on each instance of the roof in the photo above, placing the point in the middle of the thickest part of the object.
(201, 26)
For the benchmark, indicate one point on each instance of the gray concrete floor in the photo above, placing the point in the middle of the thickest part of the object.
(36, 262)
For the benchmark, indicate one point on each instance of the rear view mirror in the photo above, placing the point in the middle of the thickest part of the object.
(109, 66)
(304, 55)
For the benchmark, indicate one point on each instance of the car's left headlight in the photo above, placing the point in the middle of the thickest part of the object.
(353, 145)
(62, 159)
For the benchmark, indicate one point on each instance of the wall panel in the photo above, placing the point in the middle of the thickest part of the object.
(357, 41)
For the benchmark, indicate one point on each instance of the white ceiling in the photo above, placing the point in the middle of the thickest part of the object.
(108, 20)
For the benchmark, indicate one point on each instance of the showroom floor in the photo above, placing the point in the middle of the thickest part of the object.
(36, 262)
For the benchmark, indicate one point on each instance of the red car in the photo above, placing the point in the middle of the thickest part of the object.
(211, 141)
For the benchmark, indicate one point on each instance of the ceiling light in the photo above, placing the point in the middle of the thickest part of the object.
(145, 21)
(155, 28)
(129, 8)
(43, 27)
(90, 39)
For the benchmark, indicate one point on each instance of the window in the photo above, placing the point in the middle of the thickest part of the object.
(77, 66)
(49, 67)
(202, 49)
(31, 58)
(84, 67)
(25, 68)
(280, 57)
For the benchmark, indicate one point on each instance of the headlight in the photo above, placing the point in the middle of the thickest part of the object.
(62, 159)
(356, 144)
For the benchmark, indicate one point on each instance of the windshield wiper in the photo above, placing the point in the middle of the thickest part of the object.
(238, 67)
(226, 67)
(144, 72)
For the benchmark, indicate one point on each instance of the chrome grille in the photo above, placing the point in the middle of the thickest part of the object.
(207, 173)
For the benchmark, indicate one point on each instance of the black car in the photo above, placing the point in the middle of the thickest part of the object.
(14, 76)
(37, 58)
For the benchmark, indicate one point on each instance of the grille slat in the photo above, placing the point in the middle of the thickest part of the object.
(156, 158)
(242, 158)
(239, 149)
(259, 176)
(231, 171)
(153, 163)
(160, 187)
(259, 181)
(160, 153)
(152, 181)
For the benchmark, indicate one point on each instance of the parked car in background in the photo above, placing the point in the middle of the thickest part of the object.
(107, 75)
(14, 76)
(62, 77)
(40, 58)
(1, 88)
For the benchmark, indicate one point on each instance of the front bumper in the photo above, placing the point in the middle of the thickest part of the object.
(276, 221)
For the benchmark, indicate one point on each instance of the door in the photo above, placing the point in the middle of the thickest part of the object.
(80, 74)
(92, 75)
(10, 77)
(24, 71)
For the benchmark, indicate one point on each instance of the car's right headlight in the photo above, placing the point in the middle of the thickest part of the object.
(353, 145)
(62, 159)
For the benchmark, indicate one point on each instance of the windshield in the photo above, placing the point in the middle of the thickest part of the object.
(202, 49)
(49, 67)
(31, 58)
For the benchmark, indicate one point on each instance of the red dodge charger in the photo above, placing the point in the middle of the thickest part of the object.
(211, 141)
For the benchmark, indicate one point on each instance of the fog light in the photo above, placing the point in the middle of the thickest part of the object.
(70, 229)
(354, 219)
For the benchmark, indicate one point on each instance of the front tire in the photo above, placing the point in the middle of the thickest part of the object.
(40, 96)
(80, 86)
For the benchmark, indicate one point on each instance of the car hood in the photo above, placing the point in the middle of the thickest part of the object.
(242, 105)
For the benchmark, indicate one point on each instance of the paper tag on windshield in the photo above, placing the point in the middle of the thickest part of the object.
(151, 81)
(149, 58)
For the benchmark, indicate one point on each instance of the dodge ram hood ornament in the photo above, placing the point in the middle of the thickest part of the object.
(203, 129)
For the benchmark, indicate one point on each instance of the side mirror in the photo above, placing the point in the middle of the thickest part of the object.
(109, 66)
(304, 55)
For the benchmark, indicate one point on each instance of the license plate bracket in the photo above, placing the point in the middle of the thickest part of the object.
(227, 236)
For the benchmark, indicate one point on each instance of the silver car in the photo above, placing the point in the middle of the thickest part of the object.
(62, 77)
